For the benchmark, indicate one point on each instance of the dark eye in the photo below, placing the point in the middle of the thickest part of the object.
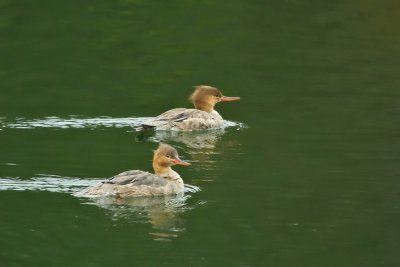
(168, 156)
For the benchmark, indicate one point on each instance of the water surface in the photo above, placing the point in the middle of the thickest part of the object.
(305, 173)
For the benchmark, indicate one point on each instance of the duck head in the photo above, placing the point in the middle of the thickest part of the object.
(164, 157)
(206, 97)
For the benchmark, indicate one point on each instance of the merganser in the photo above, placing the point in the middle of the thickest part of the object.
(137, 183)
(203, 116)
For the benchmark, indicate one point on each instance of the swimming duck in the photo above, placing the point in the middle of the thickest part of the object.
(203, 116)
(136, 183)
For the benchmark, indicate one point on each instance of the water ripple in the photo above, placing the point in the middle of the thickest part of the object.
(72, 122)
(77, 121)
(51, 183)
(61, 184)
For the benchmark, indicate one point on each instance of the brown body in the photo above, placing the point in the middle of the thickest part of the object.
(203, 116)
(136, 183)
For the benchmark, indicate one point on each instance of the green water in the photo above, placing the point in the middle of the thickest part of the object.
(307, 174)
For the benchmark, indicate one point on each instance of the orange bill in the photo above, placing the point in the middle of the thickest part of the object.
(180, 162)
(229, 98)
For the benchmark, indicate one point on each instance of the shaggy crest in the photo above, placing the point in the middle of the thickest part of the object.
(201, 96)
(166, 150)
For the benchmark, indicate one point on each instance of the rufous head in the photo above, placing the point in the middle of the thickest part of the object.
(165, 156)
(206, 97)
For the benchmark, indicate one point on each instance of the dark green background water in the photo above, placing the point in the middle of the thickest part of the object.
(313, 180)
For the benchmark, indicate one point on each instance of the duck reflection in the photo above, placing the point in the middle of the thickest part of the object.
(162, 212)
(204, 147)
(206, 139)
